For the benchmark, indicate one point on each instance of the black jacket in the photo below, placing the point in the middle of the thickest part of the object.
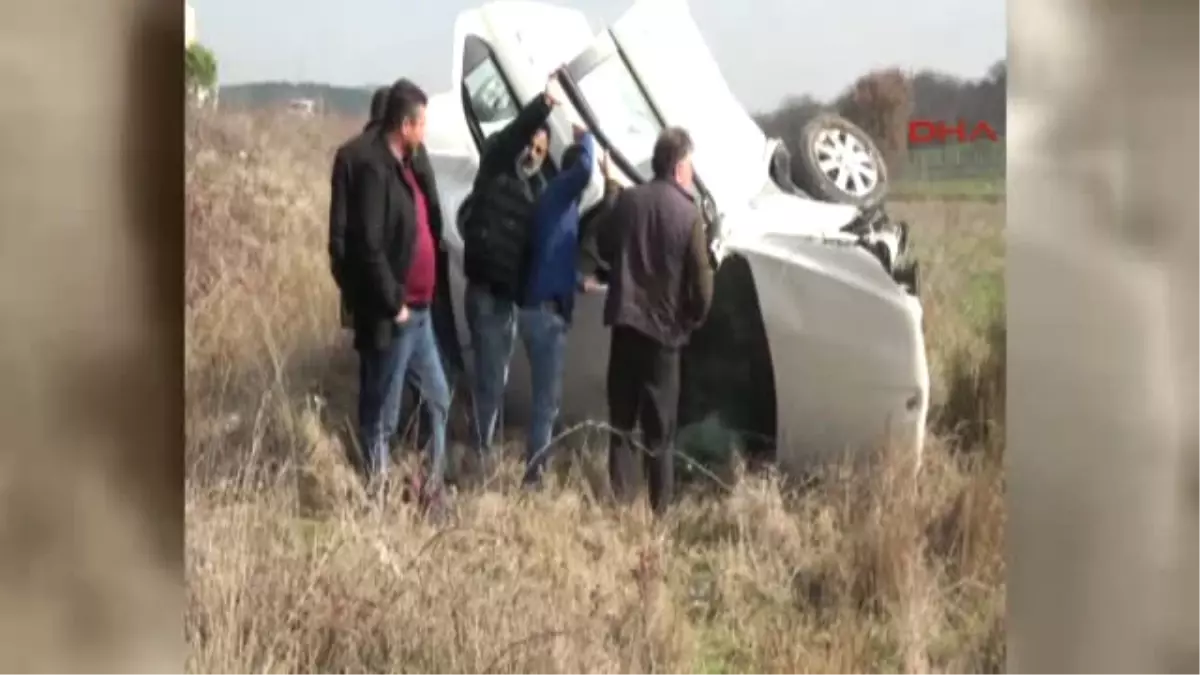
(661, 282)
(341, 180)
(498, 221)
(381, 228)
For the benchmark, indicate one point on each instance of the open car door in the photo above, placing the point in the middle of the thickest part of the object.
(665, 50)
(608, 97)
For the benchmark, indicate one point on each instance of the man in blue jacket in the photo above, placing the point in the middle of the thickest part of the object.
(554, 277)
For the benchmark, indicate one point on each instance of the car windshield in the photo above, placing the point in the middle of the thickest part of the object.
(621, 111)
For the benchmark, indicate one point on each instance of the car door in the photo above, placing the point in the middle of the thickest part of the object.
(611, 100)
(505, 52)
(602, 90)
(685, 84)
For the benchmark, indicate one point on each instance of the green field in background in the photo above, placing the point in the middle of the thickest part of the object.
(952, 171)
(952, 189)
(982, 159)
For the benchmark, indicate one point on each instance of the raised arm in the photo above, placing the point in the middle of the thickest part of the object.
(597, 241)
(570, 183)
(607, 230)
(502, 149)
(575, 179)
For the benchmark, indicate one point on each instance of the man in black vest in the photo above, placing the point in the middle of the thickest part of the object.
(660, 290)
(496, 232)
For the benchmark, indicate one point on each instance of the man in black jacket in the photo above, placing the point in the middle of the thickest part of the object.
(392, 270)
(496, 232)
(659, 292)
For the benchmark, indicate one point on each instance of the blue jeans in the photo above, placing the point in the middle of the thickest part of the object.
(493, 328)
(413, 352)
(544, 334)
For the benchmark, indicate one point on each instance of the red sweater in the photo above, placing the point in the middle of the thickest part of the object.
(422, 270)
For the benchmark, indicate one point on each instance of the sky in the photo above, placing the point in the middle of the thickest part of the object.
(767, 49)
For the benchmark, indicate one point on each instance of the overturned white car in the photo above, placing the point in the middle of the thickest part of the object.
(814, 344)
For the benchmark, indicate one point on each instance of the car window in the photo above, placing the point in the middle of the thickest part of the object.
(623, 114)
(491, 102)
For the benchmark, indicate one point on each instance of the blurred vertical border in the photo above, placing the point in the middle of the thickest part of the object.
(1102, 321)
(91, 257)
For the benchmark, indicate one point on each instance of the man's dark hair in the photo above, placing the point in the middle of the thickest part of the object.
(571, 156)
(673, 144)
(404, 98)
(378, 105)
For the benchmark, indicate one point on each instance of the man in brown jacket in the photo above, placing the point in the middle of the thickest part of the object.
(660, 290)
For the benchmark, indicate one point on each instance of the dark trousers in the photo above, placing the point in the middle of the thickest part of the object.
(643, 387)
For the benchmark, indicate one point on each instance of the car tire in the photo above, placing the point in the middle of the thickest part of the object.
(838, 162)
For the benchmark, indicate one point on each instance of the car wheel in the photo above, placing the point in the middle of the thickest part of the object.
(838, 162)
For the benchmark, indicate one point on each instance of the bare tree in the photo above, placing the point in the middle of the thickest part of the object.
(881, 102)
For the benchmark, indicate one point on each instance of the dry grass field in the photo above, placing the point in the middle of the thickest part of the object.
(865, 571)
